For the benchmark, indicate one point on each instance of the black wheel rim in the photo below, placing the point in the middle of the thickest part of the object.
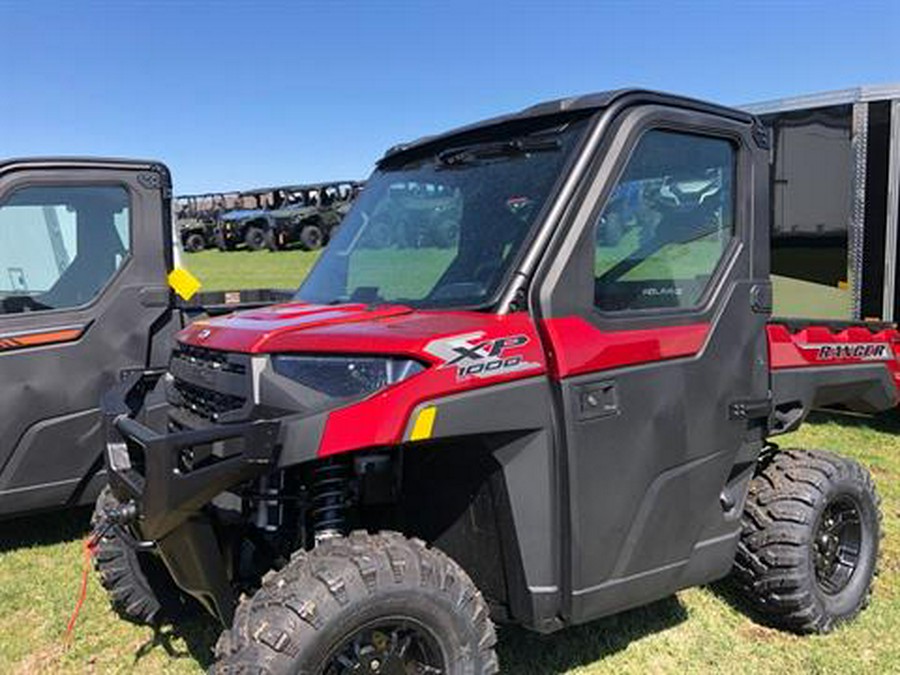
(837, 545)
(391, 646)
(313, 238)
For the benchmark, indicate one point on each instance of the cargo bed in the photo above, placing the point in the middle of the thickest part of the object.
(853, 365)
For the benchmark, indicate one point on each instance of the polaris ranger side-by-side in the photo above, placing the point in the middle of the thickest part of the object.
(543, 422)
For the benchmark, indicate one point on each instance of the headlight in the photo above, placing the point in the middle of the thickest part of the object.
(343, 376)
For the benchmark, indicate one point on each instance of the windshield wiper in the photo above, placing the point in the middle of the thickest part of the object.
(520, 146)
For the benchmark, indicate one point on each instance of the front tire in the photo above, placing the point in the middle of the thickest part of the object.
(366, 603)
(139, 587)
(194, 243)
(809, 546)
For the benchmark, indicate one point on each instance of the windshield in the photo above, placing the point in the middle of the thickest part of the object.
(443, 230)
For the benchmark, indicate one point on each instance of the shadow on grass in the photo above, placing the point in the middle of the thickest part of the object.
(192, 638)
(45, 528)
(886, 422)
(728, 592)
(199, 634)
(523, 652)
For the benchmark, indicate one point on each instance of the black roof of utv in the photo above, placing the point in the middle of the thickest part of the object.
(64, 162)
(587, 102)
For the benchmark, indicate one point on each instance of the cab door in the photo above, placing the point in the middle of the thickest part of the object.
(653, 306)
(83, 263)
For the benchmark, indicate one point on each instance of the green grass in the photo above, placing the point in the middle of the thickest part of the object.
(249, 269)
(412, 276)
(415, 273)
(700, 630)
(672, 261)
(796, 297)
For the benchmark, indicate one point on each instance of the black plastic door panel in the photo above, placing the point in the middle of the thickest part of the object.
(83, 264)
(653, 311)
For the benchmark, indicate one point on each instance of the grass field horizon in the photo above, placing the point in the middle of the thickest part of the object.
(699, 630)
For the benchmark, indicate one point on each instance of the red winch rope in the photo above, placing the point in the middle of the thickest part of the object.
(88, 546)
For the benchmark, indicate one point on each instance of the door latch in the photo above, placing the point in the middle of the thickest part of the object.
(599, 399)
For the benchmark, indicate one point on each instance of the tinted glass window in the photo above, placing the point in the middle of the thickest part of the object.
(415, 225)
(443, 228)
(59, 246)
(667, 224)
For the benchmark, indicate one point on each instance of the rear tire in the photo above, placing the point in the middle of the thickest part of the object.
(255, 238)
(809, 547)
(139, 587)
(376, 603)
(311, 237)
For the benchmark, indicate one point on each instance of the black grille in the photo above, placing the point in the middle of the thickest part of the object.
(206, 402)
(210, 358)
(210, 384)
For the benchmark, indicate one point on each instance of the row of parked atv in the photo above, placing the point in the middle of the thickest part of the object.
(298, 216)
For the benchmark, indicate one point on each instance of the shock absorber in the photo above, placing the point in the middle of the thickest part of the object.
(269, 508)
(330, 495)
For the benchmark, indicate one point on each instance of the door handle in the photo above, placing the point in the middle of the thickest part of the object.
(598, 399)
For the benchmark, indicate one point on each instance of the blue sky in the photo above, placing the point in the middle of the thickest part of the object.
(238, 94)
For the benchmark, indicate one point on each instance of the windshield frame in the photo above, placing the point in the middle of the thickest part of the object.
(481, 135)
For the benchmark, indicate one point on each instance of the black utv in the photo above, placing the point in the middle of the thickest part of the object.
(195, 219)
(303, 215)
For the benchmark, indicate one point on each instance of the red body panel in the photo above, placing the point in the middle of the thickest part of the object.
(579, 347)
(431, 337)
(468, 350)
(821, 346)
(382, 418)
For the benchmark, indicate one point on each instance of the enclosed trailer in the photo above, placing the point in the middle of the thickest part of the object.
(835, 198)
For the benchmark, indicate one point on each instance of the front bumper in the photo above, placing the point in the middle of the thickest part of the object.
(170, 477)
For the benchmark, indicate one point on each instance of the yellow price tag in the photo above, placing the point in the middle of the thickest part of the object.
(184, 283)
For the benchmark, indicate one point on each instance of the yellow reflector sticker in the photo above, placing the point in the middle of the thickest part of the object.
(424, 424)
(184, 283)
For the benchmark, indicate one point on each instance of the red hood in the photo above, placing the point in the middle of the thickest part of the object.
(253, 330)
(351, 328)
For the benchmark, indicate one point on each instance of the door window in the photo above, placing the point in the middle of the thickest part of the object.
(667, 224)
(60, 245)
